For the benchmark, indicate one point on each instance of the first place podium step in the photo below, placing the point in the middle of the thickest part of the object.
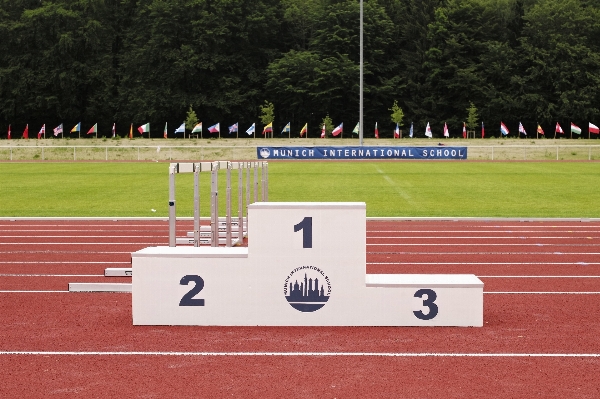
(305, 265)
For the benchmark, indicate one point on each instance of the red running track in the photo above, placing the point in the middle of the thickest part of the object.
(541, 315)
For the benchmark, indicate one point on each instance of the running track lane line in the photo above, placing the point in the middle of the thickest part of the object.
(302, 354)
(485, 292)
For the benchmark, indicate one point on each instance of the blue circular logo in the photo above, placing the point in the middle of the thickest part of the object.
(265, 153)
(307, 288)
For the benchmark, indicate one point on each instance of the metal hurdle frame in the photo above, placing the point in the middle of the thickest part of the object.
(214, 168)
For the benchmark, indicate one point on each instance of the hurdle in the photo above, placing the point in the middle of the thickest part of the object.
(220, 231)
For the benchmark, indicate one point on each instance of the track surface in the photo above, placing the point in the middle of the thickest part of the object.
(541, 315)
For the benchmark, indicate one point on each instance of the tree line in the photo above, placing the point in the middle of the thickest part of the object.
(149, 61)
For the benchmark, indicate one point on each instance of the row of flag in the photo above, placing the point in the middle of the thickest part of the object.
(216, 128)
(558, 130)
(57, 130)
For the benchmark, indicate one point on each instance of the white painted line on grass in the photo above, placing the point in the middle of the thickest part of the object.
(297, 354)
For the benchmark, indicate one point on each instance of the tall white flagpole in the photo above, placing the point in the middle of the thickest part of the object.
(360, 118)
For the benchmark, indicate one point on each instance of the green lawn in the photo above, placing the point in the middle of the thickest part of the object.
(505, 189)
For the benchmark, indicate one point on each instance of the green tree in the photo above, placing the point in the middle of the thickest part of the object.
(267, 114)
(472, 117)
(397, 114)
(328, 124)
(191, 119)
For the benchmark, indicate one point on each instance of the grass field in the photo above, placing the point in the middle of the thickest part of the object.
(484, 189)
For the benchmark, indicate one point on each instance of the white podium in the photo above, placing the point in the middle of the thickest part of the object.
(305, 265)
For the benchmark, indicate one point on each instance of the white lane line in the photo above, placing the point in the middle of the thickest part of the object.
(298, 354)
(52, 275)
(92, 243)
(60, 262)
(51, 252)
(485, 292)
(478, 244)
(84, 236)
(538, 276)
(475, 231)
(477, 253)
(545, 292)
(29, 292)
(471, 238)
(485, 263)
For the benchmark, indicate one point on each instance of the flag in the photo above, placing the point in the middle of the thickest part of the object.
(356, 129)
(144, 128)
(482, 130)
(446, 133)
(181, 128)
(114, 130)
(559, 129)
(323, 132)
(58, 129)
(540, 130)
(251, 129)
(26, 132)
(286, 128)
(397, 132)
(464, 130)
(575, 129)
(165, 131)
(131, 132)
(304, 129)
(410, 133)
(376, 131)
(196, 129)
(233, 128)
(428, 131)
(93, 129)
(76, 128)
(503, 129)
(593, 128)
(338, 130)
(268, 128)
(42, 132)
(522, 129)
(8, 137)
(216, 128)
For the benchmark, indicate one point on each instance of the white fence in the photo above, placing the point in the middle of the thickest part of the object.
(209, 152)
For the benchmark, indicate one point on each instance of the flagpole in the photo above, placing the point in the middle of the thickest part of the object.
(360, 111)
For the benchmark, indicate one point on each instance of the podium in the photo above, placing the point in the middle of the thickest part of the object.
(305, 265)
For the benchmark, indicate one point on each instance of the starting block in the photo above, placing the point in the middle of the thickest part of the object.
(305, 265)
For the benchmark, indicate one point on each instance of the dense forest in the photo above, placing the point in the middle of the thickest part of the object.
(140, 61)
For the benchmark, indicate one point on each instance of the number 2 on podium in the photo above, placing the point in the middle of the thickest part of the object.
(306, 226)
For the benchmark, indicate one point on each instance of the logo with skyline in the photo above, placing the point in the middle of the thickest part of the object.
(307, 288)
